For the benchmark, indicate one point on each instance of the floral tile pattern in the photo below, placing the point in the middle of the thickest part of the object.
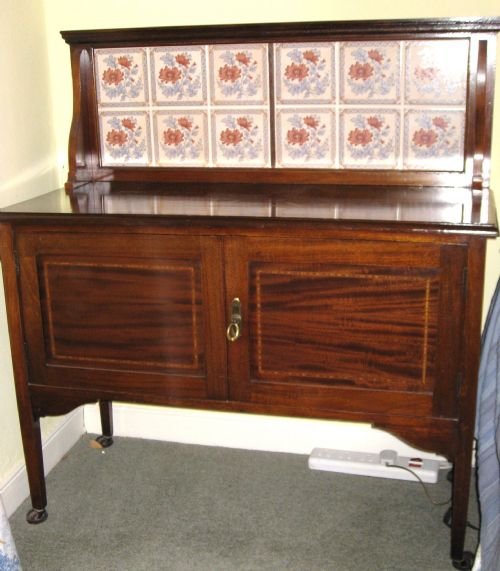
(305, 138)
(434, 140)
(240, 138)
(125, 138)
(179, 76)
(239, 74)
(305, 73)
(181, 138)
(436, 72)
(348, 105)
(370, 72)
(120, 77)
(369, 139)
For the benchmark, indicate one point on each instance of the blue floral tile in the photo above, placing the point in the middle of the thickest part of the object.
(370, 73)
(120, 77)
(305, 73)
(181, 138)
(434, 140)
(125, 138)
(436, 72)
(179, 76)
(369, 139)
(240, 138)
(305, 138)
(239, 74)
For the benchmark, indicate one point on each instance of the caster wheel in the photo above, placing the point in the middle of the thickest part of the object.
(465, 563)
(35, 516)
(104, 441)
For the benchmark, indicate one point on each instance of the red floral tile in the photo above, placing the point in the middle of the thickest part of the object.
(240, 138)
(369, 73)
(434, 140)
(125, 138)
(304, 138)
(239, 74)
(181, 138)
(305, 73)
(120, 77)
(369, 138)
(178, 75)
(436, 72)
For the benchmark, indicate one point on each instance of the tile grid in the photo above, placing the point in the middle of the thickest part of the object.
(305, 116)
(209, 138)
(245, 114)
(337, 106)
(149, 68)
(448, 118)
(272, 104)
(401, 102)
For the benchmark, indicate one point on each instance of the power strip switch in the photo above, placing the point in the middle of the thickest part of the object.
(386, 464)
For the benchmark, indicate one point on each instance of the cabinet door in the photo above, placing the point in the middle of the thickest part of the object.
(347, 325)
(124, 312)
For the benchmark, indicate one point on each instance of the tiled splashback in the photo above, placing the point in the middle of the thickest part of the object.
(340, 105)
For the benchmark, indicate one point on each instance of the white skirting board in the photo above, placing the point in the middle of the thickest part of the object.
(245, 431)
(15, 490)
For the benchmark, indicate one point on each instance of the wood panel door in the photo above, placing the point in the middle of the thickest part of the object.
(124, 312)
(347, 325)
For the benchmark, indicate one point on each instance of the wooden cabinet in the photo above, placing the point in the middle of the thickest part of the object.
(341, 322)
(273, 250)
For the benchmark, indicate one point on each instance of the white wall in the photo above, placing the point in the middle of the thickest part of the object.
(27, 167)
(37, 109)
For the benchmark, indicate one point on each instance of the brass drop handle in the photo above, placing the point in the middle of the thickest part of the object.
(233, 330)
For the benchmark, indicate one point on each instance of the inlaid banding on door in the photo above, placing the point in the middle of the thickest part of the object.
(96, 316)
(345, 328)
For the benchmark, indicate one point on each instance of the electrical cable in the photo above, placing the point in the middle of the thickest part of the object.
(447, 515)
(447, 520)
(422, 483)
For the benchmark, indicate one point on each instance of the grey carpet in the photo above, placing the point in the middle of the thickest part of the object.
(145, 505)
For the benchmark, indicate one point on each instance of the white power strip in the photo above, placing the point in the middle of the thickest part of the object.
(387, 464)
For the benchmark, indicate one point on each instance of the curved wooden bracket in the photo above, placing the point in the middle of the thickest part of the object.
(439, 436)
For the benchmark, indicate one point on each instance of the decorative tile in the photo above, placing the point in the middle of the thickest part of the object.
(436, 72)
(181, 138)
(120, 77)
(305, 73)
(434, 140)
(369, 73)
(240, 138)
(369, 138)
(125, 138)
(305, 138)
(239, 74)
(179, 75)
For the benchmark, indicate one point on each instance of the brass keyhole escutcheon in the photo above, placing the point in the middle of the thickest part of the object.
(233, 331)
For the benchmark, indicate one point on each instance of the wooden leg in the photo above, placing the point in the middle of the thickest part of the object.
(460, 499)
(32, 444)
(29, 421)
(106, 410)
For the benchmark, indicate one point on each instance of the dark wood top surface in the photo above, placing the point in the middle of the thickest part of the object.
(445, 209)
